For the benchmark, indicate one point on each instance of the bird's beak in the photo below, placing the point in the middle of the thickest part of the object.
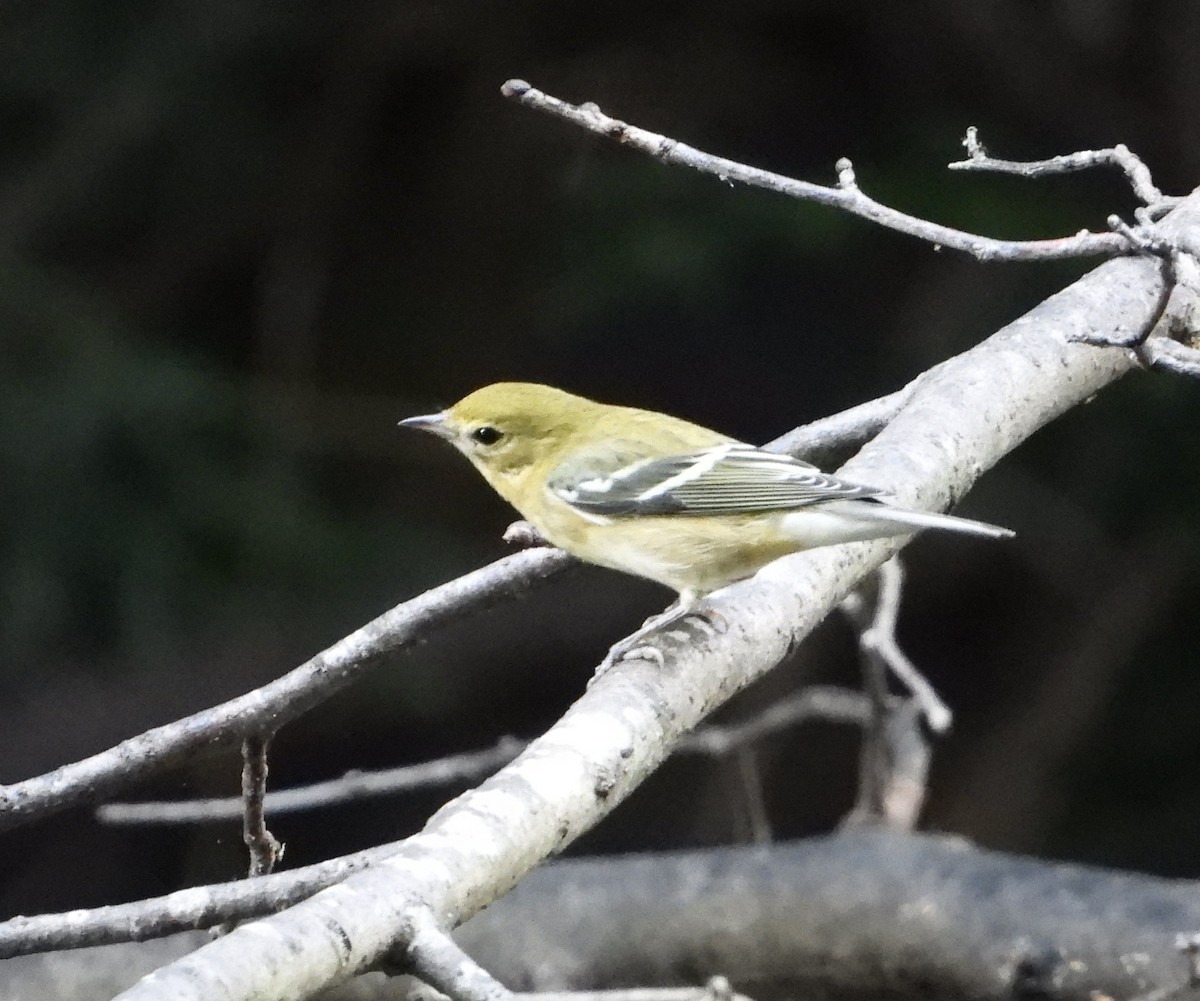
(433, 423)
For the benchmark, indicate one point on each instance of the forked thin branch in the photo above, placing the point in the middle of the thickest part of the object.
(846, 195)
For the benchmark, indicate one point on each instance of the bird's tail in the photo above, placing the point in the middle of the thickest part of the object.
(884, 514)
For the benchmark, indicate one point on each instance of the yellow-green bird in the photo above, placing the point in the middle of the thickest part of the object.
(659, 497)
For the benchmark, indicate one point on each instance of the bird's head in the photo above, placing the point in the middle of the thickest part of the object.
(506, 428)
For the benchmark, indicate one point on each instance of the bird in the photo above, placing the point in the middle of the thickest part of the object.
(657, 496)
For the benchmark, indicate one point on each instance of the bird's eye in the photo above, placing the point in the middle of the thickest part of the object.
(486, 435)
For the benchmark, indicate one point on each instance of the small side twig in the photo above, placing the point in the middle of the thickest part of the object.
(815, 702)
(523, 535)
(717, 989)
(434, 957)
(824, 702)
(845, 195)
(1180, 273)
(265, 849)
(1138, 174)
(1171, 356)
(895, 754)
(353, 786)
(841, 432)
(878, 637)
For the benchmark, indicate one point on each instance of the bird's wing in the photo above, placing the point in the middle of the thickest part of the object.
(730, 478)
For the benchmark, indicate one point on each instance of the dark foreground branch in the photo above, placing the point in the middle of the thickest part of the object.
(863, 913)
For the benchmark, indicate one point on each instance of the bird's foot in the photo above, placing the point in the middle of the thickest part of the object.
(626, 651)
(633, 647)
(523, 535)
(709, 620)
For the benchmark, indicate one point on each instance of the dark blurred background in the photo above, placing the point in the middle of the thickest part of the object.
(239, 241)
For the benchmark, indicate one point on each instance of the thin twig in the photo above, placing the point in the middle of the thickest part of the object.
(265, 849)
(353, 786)
(846, 195)
(874, 764)
(281, 700)
(1171, 356)
(750, 779)
(879, 637)
(895, 754)
(434, 957)
(910, 755)
(1118, 156)
(1179, 269)
(717, 989)
(849, 429)
(817, 702)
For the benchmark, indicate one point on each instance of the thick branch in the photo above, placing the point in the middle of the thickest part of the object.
(863, 913)
(962, 417)
(860, 914)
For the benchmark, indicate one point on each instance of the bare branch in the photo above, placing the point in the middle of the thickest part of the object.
(1171, 356)
(846, 430)
(846, 196)
(962, 417)
(282, 700)
(864, 913)
(434, 957)
(905, 916)
(206, 906)
(1118, 156)
(880, 640)
(825, 702)
(717, 989)
(896, 755)
(265, 849)
(816, 702)
(183, 910)
(352, 786)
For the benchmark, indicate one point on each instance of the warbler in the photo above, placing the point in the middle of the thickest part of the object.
(659, 497)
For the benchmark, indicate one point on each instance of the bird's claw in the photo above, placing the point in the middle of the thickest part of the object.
(627, 649)
(709, 620)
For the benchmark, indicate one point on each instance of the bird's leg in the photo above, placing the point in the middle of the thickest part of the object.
(632, 647)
